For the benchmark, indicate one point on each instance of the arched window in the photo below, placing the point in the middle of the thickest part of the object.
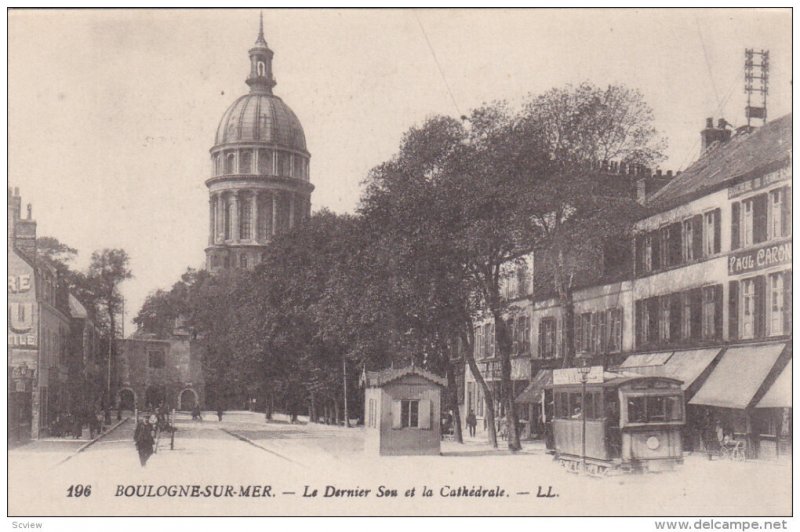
(261, 69)
(284, 164)
(245, 162)
(245, 224)
(227, 220)
(265, 162)
(230, 163)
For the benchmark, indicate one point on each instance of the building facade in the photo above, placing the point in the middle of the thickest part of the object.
(153, 371)
(706, 297)
(260, 183)
(41, 356)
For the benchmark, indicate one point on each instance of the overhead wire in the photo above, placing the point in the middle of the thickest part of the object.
(436, 60)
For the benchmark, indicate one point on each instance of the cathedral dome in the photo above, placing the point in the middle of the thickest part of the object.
(261, 117)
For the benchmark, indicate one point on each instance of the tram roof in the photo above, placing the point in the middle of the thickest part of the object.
(613, 380)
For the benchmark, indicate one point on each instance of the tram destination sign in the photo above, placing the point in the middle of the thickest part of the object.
(760, 258)
(573, 376)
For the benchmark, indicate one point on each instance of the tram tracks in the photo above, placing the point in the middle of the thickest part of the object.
(247, 440)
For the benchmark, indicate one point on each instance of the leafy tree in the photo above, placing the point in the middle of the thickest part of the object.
(578, 208)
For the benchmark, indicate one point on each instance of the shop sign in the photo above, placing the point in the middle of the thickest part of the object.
(758, 183)
(757, 259)
(573, 376)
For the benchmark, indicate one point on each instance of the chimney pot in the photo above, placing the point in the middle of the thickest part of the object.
(669, 173)
(721, 123)
(30, 211)
(658, 173)
(709, 123)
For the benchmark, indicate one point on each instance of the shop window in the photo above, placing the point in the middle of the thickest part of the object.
(664, 319)
(648, 253)
(777, 304)
(615, 330)
(748, 308)
(711, 232)
(409, 412)
(547, 337)
(688, 241)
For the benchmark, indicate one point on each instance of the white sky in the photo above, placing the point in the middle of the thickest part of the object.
(112, 112)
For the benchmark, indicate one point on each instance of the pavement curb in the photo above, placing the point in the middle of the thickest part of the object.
(95, 440)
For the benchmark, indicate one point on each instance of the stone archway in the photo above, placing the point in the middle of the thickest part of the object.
(126, 399)
(187, 399)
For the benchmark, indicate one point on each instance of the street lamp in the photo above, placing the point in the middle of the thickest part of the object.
(584, 372)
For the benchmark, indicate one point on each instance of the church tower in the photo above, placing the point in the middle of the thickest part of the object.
(260, 181)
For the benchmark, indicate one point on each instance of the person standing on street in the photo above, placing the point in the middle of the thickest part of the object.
(219, 412)
(145, 440)
(472, 422)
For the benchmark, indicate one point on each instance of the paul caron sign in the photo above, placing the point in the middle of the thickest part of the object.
(756, 259)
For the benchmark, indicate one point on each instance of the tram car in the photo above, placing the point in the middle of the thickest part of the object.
(633, 422)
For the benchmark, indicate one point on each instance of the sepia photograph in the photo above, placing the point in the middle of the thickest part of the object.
(400, 262)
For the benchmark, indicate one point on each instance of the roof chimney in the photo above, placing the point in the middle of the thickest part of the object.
(712, 134)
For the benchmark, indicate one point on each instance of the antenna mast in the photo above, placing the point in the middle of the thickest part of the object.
(758, 73)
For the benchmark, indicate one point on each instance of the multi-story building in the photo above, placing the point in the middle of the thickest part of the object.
(712, 286)
(706, 297)
(39, 332)
(260, 183)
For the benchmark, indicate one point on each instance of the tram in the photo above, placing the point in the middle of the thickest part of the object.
(632, 422)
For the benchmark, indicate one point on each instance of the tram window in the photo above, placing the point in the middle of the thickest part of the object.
(656, 409)
(674, 408)
(636, 410)
(575, 406)
(590, 405)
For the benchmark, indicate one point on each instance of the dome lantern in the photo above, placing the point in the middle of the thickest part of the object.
(260, 78)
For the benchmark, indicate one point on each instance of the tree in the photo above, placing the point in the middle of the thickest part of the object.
(579, 208)
(107, 270)
(55, 253)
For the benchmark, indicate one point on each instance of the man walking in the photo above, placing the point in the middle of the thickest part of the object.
(144, 438)
(472, 422)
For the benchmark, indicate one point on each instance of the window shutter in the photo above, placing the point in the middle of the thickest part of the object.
(675, 308)
(733, 310)
(786, 212)
(696, 307)
(541, 338)
(717, 230)
(639, 323)
(787, 301)
(656, 249)
(425, 407)
(735, 215)
(675, 241)
(397, 416)
(620, 327)
(697, 236)
(760, 203)
(652, 314)
(760, 286)
(558, 349)
(638, 254)
(578, 321)
(718, 311)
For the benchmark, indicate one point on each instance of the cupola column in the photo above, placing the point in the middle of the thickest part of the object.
(291, 210)
(254, 216)
(274, 211)
(211, 220)
(235, 216)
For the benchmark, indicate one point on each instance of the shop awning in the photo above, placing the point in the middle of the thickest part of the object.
(779, 394)
(533, 392)
(687, 366)
(738, 376)
(646, 359)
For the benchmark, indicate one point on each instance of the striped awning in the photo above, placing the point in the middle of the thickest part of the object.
(533, 392)
(779, 394)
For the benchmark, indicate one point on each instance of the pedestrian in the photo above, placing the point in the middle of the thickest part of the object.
(196, 415)
(472, 422)
(145, 439)
(219, 413)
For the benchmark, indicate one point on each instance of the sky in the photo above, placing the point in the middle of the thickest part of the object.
(111, 113)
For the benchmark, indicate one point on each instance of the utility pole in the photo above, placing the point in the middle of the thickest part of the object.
(344, 373)
(758, 73)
